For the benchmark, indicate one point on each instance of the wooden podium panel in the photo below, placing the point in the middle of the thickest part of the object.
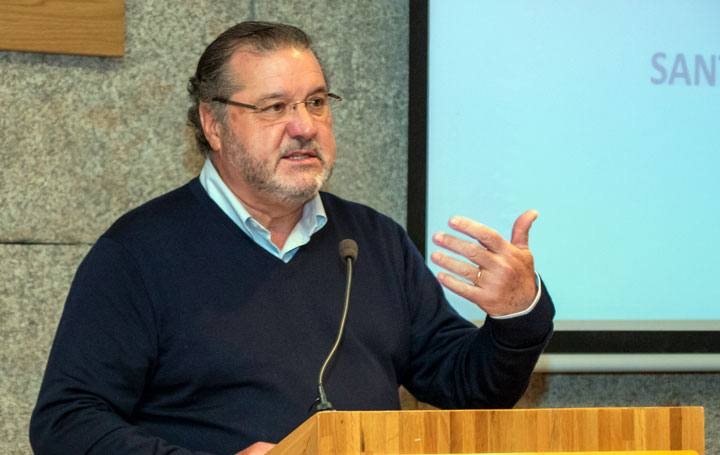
(629, 430)
(624, 452)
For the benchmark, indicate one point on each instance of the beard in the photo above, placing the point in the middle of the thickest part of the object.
(297, 186)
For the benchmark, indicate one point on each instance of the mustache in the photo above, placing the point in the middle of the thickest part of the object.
(302, 144)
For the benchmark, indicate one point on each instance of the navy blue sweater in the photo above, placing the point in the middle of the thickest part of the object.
(180, 335)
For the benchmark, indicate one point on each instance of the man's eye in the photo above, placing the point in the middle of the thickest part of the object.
(317, 102)
(274, 108)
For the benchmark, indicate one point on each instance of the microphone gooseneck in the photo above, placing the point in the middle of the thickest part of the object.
(348, 250)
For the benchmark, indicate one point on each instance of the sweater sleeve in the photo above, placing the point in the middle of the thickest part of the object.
(457, 365)
(103, 354)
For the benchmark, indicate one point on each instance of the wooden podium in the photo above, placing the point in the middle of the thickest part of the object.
(661, 430)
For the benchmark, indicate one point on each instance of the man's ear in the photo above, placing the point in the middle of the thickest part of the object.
(211, 126)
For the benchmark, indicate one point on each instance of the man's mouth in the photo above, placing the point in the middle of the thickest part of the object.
(299, 155)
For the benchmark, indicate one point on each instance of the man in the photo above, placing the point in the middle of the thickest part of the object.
(199, 321)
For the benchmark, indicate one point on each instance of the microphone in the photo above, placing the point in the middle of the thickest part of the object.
(348, 250)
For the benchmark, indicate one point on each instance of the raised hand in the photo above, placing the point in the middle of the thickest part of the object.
(500, 275)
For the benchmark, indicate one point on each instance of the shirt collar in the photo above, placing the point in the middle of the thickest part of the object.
(313, 218)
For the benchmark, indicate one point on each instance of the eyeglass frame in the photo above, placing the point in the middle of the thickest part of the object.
(256, 108)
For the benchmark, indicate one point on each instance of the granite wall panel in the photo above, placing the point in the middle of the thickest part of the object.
(35, 281)
(84, 139)
(364, 51)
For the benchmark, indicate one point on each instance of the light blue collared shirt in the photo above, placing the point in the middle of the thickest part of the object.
(313, 217)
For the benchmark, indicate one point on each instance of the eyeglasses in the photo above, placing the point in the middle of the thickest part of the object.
(317, 105)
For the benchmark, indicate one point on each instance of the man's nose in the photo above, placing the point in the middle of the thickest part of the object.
(301, 123)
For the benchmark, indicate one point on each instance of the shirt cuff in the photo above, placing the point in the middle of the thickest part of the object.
(528, 309)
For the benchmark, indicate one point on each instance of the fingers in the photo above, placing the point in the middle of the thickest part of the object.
(459, 268)
(468, 249)
(521, 229)
(483, 234)
(465, 290)
(259, 448)
(491, 239)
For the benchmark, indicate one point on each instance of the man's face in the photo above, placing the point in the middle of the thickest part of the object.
(283, 160)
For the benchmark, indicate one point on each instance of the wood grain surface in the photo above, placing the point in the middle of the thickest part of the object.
(584, 430)
(82, 27)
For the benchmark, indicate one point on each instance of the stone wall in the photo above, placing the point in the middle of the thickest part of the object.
(84, 139)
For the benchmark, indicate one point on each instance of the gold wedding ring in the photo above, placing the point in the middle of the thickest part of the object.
(477, 279)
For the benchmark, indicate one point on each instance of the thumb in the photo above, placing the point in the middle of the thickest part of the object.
(259, 448)
(521, 228)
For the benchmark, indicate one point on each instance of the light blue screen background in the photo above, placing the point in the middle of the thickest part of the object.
(550, 105)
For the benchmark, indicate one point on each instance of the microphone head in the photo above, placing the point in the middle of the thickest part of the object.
(348, 249)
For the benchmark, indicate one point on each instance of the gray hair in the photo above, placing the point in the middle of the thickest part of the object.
(211, 79)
